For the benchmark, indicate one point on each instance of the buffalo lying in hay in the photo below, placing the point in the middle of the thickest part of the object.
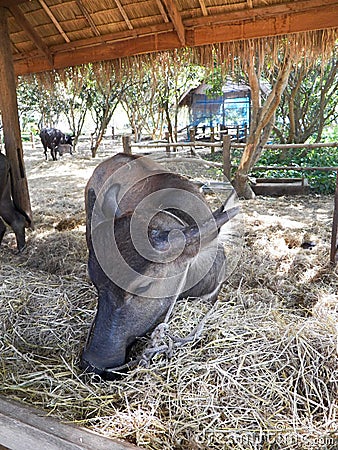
(152, 238)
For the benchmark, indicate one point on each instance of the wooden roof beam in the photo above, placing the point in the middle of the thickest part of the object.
(162, 11)
(203, 7)
(53, 19)
(26, 26)
(9, 3)
(297, 22)
(124, 14)
(107, 38)
(260, 12)
(176, 19)
(88, 17)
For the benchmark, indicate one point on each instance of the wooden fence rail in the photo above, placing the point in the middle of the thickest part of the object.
(226, 146)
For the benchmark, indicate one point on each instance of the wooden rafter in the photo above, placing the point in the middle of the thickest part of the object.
(264, 26)
(9, 3)
(107, 38)
(162, 11)
(26, 26)
(88, 17)
(124, 14)
(203, 7)
(176, 19)
(261, 12)
(53, 19)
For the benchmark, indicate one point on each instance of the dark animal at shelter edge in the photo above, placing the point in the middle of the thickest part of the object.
(131, 304)
(56, 141)
(9, 213)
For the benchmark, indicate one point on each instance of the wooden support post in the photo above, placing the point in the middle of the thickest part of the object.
(10, 119)
(245, 132)
(212, 139)
(126, 144)
(334, 235)
(32, 140)
(226, 141)
(192, 134)
(167, 137)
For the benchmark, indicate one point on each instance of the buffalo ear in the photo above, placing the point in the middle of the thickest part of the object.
(110, 207)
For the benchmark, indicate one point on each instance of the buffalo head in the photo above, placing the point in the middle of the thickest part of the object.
(151, 238)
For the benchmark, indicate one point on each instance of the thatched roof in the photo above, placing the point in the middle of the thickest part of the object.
(53, 34)
(230, 90)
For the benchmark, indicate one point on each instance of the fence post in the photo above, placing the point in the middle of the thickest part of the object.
(192, 140)
(226, 143)
(126, 144)
(333, 252)
(167, 138)
(237, 133)
(32, 140)
(212, 139)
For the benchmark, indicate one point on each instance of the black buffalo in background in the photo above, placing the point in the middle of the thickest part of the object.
(10, 214)
(56, 141)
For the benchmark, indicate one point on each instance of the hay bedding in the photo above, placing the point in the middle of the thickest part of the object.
(262, 375)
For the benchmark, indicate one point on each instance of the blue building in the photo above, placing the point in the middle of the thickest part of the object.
(230, 110)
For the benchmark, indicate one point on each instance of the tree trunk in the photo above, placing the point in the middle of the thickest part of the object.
(261, 124)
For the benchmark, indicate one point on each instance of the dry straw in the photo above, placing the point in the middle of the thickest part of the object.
(263, 374)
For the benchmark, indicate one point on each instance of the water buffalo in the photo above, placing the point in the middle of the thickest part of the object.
(9, 213)
(56, 141)
(152, 238)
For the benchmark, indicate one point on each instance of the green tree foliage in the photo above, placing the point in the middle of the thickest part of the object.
(309, 102)
(141, 101)
(257, 66)
(268, 61)
(109, 87)
(40, 96)
(77, 97)
(152, 97)
(320, 182)
(174, 76)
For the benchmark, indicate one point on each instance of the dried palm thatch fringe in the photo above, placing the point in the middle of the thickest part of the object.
(231, 57)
